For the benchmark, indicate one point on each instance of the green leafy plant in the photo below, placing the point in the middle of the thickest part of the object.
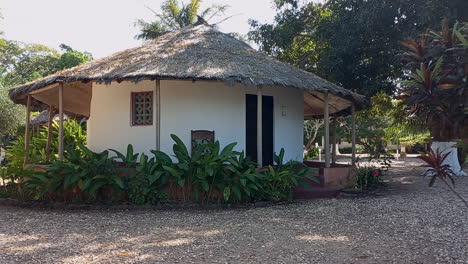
(279, 181)
(74, 135)
(439, 170)
(206, 174)
(148, 183)
(435, 83)
(243, 183)
(368, 177)
(311, 153)
(84, 173)
(129, 159)
(203, 170)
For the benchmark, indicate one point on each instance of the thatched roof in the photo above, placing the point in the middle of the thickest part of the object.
(40, 119)
(198, 52)
(43, 118)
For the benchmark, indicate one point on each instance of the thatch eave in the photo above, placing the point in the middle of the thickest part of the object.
(193, 53)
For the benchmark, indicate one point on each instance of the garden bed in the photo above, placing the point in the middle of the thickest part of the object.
(337, 176)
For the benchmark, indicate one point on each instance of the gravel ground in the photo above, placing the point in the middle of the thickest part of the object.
(405, 223)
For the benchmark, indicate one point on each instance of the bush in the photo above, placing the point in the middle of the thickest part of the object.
(82, 176)
(211, 173)
(280, 181)
(144, 181)
(312, 153)
(207, 174)
(349, 150)
(367, 177)
(74, 135)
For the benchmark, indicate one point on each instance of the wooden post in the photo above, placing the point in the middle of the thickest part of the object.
(27, 130)
(158, 114)
(326, 117)
(49, 131)
(60, 137)
(333, 138)
(259, 128)
(353, 134)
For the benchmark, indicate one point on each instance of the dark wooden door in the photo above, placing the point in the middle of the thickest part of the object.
(267, 128)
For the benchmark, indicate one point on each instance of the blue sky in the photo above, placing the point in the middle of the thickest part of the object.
(103, 27)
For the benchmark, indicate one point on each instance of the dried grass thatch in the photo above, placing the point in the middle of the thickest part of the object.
(43, 118)
(197, 52)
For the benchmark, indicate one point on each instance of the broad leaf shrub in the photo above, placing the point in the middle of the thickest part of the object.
(368, 177)
(74, 135)
(145, 180)
(279, 181)
(82, 176)
(206, 174)
(439, 170)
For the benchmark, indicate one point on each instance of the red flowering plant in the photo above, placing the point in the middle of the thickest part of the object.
(376, 173)
(368, 177)
(439, 170)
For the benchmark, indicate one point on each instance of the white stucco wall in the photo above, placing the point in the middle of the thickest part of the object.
(109, 125)
(187, 106)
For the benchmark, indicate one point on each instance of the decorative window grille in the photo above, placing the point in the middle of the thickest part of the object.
(142, 108)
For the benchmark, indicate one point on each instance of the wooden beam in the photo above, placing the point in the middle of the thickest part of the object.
(27, 135)
(60, 137)
(326, 118)
(77, 99)
(52, 86)
(259, 128)
(353, 134)
(323, 100)
(333, 140)
(49, 131)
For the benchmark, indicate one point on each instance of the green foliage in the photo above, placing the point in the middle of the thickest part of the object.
(71, 58)
(83, 172)
(244, 182)
(204, 169)
(462, 146)
(280, 180)
(176, 15)
(311, 153)
(74, 135)
(129, 160)
(11, 115)
(145, 181)
(207, 174)
(368, 177)
(350, 42)
(435, 80)
(382, 123)
(439, 170)
(21, 63)
(311, 131)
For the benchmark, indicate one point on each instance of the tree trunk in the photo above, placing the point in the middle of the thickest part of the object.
(452, 158)
(312, 139)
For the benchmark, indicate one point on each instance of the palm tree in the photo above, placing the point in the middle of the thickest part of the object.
(176, 15)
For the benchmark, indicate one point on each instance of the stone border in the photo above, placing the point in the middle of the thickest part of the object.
(133, 207)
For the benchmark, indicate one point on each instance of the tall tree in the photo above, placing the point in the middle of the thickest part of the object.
(351, 42)
(176, 15)
(21, 63)
(71, 57)
(435, 88)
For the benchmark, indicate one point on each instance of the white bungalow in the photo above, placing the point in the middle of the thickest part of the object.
(187, 81)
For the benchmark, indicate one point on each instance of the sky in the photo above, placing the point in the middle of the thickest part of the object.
(103, 27)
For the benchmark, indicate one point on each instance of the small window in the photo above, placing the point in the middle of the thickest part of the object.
(142, 108)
